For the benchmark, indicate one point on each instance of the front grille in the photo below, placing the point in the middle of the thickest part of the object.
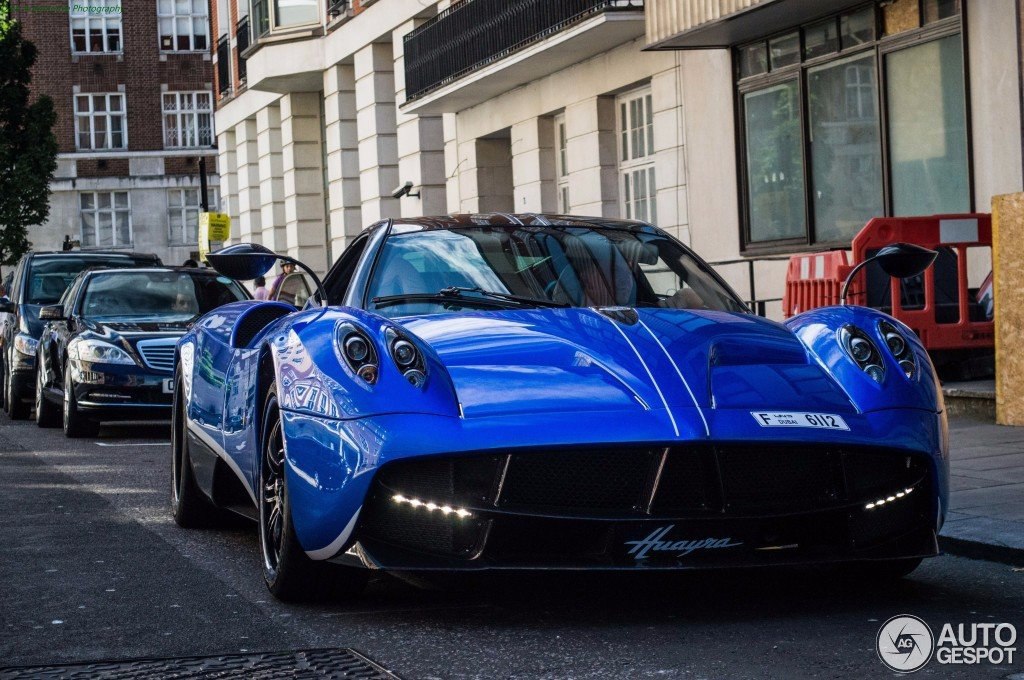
(158, 354)
(762, 483)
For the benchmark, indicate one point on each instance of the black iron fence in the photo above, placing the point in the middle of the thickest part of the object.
(223, 65)
(474, 33)
(242, 39)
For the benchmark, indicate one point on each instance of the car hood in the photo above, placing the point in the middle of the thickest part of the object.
(620, 359)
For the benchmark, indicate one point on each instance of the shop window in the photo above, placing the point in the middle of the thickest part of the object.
(928, 128)
(775, 168)
(821, 155)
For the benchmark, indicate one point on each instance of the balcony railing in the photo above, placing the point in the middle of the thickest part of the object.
(242, 37)
(223, 65)
(474, 33)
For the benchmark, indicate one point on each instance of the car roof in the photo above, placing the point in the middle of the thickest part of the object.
(92, 253)
(464, 220)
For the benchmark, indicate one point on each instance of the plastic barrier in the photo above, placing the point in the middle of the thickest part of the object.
(941, 306)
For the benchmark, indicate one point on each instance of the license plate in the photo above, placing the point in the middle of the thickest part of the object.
(821, 421)
(168, 386)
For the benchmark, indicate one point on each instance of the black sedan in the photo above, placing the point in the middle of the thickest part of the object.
(107, 350)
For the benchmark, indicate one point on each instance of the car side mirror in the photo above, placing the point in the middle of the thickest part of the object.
(247, 261)
(898, 260)
(51, 313)
(6, 306)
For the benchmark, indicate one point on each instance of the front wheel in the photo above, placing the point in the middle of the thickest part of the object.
(76, 423)
(14, 399)
(47, 413)
(190, 507)
(288, 572)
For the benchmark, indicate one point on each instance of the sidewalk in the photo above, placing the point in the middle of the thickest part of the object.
(986, 508)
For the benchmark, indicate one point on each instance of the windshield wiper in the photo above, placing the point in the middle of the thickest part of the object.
(458, 293)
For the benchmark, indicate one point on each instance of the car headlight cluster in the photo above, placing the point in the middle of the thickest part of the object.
(407, 357)
(99, 352)
(899, 347)
(25, 344)
(356, 350)
(863, 351)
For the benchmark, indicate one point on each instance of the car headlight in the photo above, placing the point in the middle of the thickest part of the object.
(407, 357)
(863, 352)
(25, 344)
(356, 350)
(899, 347)
(99, 352)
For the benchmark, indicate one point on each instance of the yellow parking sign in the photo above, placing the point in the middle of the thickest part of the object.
(214, 230)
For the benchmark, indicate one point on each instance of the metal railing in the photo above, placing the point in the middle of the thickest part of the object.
(474, 33)
(223, 65)
(336, 9)
(242, 37)
(757, 305)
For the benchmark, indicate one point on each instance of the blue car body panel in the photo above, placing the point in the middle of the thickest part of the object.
(538, 378)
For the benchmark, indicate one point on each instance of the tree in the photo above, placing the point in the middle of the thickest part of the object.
(28, 149)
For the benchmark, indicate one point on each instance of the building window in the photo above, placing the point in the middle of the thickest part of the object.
(184, 25)
(100, 122)
(188, 119)
(562, 164)
(270, 15)
(95, 26)
(106, 219)
(183, 208)
(818, 124)
(636, 156)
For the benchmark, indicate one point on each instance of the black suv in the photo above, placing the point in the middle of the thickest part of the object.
(41, 279)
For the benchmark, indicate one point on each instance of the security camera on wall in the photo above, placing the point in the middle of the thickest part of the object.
(405, 190)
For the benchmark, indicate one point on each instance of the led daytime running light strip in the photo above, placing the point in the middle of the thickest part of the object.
(890, 499)
(431, 506)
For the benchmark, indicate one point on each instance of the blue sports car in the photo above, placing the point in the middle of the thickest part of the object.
(483, 392)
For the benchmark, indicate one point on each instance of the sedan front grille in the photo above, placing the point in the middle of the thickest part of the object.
(158, 354)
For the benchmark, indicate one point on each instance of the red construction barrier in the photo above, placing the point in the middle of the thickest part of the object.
(940, 306)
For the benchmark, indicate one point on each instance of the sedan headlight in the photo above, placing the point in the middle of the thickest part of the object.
(25, 344)
(97, 351)
(863, 352)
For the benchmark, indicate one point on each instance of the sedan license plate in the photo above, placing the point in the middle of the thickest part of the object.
(168, 386)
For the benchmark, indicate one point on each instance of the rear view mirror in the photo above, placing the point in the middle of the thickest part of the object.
(51, 313)
(243, 261)
(899, 260)
(6, 306)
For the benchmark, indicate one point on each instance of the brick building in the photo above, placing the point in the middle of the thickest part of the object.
(132, 85)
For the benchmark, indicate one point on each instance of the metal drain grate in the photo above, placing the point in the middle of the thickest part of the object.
(310, 663)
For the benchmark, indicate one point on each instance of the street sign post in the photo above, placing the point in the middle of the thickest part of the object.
(214, 231)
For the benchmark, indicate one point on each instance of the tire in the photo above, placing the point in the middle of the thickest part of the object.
(76, 423)
(14, 401)
(290, 575)
(47, 413)
(190, 507)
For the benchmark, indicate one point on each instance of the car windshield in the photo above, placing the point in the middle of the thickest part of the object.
(49, 277)
(540, 266)
(163, 296)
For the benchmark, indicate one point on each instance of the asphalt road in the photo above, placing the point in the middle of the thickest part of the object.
(93, 567)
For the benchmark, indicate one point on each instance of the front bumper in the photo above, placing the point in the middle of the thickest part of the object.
(121, 392)
(684, 507)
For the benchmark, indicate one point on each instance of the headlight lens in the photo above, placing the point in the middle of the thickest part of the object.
(356, 350)
(899, 347)
(25, 344)
(863, 352)
(407, 357)
(97, 351)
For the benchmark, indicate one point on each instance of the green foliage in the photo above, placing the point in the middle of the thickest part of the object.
(28, 149)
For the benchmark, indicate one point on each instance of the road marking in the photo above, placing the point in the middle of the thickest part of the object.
(133, 443)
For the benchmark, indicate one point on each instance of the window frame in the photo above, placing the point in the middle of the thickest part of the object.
(91, 114)
(627, 165)
(180, 113)
(880, 47)
(174, 17)
(561, 143)
(183, 209)
(89, 17)
(113, 210)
